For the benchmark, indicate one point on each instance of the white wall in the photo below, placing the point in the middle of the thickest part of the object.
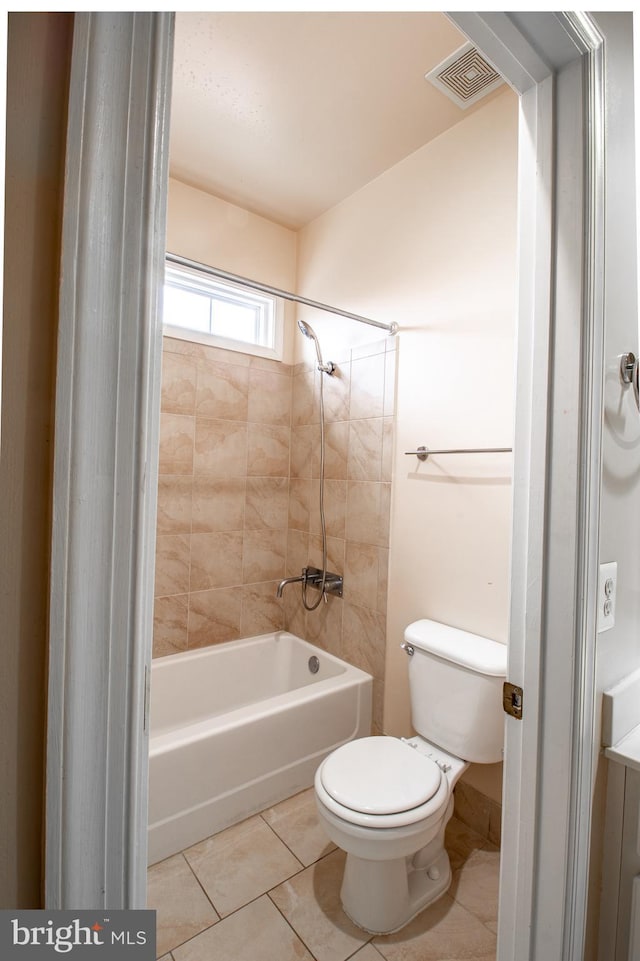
(431, 244)
(619, 649)
(213, 232)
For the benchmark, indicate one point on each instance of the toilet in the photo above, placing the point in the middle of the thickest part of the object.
(386, 801)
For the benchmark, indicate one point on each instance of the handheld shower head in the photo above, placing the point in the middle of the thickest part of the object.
(309, 332)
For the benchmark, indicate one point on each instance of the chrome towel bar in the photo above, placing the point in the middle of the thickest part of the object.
(423, 452)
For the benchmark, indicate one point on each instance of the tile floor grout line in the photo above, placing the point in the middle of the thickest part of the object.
(288, 922)
(303, 867)
(297, 933)
(282, 841)
(370, 944)
(204, 890)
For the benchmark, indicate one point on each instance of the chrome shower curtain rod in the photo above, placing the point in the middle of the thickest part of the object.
(276, 292)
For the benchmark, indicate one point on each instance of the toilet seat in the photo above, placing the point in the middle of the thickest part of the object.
(379, 775)
(381, 782)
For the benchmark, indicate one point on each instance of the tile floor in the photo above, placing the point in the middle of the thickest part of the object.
(268, 890)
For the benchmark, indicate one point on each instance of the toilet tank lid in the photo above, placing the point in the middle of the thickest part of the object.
(472, 651)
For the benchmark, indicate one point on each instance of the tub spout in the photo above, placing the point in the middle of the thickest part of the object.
(291, 580)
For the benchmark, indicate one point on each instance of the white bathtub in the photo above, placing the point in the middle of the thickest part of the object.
(237, 727)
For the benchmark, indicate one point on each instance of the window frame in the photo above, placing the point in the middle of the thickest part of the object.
(203, 283)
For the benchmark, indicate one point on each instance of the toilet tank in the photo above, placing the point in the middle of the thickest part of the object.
(455, 681)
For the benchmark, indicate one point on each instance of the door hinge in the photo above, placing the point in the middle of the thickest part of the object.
(512, 699)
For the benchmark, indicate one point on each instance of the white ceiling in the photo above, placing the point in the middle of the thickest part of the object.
(286, 114)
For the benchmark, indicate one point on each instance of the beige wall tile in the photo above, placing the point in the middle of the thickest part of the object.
(336, 451)
(223, 392)
(336, 393)
(220, 448)
(368, 513)
(170, 615)
(172, 564)
(377, 707)
(365, 449)
(299, 502)
(268, 453)
(214, 616)
(368, 350)
(335, 503)
(216, 560)
(364, 638)
(302, 447)
(174, 503)
(221, 355)
(390, 373)
(178, 391)
(297, 551)
(383, 579)
(388, 439)
(176, 444)
(262, 612)
(269, 363)
(253, 475)
(294, 613)
(367, 387)
(361, 575)
(335, 553)
(304, 405)
(203, 354)
(218, 503)
(264, 556)
(267, 503)
(178, 394)
(323, 626)
(269, 397)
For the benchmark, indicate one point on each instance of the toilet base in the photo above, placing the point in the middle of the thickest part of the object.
(383, 896)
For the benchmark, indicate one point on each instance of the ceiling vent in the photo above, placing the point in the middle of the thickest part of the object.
(465, 76)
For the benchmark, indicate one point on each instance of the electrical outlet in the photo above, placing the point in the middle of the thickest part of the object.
(607, 587)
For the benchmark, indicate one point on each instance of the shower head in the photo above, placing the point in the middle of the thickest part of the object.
(309, 332)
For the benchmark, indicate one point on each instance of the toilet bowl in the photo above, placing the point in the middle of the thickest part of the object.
(386, 801)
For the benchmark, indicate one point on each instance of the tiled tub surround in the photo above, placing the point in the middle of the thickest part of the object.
(222, 497)
(359, 415)
(238, 499)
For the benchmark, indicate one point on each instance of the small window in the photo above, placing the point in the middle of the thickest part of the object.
(201, 308)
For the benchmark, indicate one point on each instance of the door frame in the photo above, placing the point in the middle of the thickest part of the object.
(105, 471)
(557, 476)
(107, 412)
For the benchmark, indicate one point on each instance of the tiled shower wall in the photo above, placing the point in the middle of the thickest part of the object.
(238, 499)
(359, 414)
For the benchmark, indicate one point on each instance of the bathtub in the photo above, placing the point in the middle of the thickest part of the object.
(237, 727)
